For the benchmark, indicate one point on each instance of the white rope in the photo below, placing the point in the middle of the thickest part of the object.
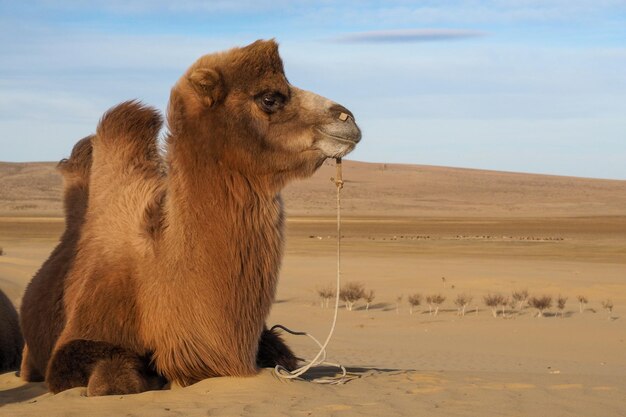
(320, 358)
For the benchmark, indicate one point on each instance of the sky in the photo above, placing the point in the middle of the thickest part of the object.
(512, 85)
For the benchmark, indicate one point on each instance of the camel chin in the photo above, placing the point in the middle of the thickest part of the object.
(337, 139)
(335, 147)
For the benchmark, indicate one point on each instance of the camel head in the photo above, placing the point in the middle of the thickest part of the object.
(250, 118)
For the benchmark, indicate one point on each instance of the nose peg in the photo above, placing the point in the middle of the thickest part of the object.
(341, 112)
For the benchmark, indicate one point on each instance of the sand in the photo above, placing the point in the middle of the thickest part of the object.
(398, 245)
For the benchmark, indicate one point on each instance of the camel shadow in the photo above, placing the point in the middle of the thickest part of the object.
(22, 393)
(352, 372)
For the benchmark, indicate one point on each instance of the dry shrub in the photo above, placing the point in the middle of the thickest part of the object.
(1, 251)
(462, 301)
(435, 300)
(541, 304)
(398, 301)
(505, 302)
(582, 301)
(369, 297)
(493, 301)
(520, 298)
(351, 293)
(414, 301)
(326, 293)
(608, 306)
(560, 303)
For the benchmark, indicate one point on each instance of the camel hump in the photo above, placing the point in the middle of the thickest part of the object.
(129, 123)
(126, 177)
(79, 162)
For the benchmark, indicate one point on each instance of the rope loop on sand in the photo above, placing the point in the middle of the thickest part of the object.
(320, 358)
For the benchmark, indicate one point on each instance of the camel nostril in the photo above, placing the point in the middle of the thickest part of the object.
(341, 112)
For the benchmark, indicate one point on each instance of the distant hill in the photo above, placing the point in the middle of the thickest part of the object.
(374, 189)
(32, 188)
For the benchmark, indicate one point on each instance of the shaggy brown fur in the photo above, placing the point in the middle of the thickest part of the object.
(42, 314)
(184, 266)
(11, 342)
(104, 368)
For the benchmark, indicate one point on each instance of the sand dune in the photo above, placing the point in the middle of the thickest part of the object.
(405, 228)
(373, 189)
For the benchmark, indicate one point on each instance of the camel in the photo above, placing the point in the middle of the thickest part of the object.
(10, 336)
(42, 314)
(179, 259)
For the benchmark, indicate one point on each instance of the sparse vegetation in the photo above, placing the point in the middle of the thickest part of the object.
(520, 298)
(1, 251)
(326, 294)
(398, 301)
(504, 303)
(434, 300)
(369, 297)
(541, 304)
(351, 293)
(560, 304)
(499, 304)
(414, 301)
(462, 301)
(608, 306)
(493, 301)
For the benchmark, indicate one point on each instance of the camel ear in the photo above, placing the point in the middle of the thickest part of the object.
(208, 84)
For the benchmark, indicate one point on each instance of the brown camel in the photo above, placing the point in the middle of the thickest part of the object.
(42, 315)
(182, 268)
(10, 336)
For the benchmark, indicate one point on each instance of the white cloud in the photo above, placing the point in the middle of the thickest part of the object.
(410, 35)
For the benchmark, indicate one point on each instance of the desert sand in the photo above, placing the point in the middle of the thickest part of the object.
(405, 227)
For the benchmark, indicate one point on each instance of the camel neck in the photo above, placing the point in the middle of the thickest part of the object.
(75, 203)
(207, 198)
(230, 237)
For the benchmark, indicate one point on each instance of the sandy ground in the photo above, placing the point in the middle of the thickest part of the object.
(404, 364)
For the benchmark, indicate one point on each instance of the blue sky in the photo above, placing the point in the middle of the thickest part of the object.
(514, 85)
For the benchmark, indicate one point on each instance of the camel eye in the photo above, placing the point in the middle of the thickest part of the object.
(271, 102)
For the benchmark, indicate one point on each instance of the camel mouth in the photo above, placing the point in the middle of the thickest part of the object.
(351, 135)
(335, 145)
(344, 139)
